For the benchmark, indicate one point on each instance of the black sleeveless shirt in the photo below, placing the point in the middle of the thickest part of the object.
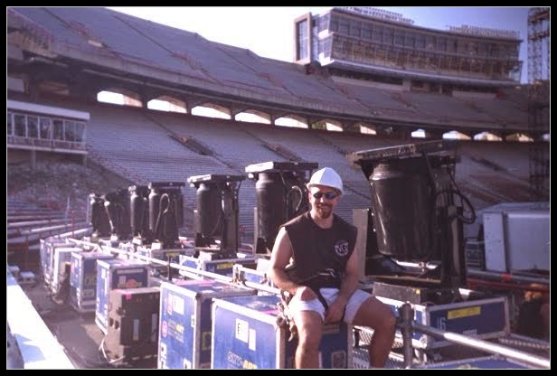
(318, 251)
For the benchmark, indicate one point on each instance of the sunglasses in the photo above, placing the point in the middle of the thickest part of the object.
(328, 195)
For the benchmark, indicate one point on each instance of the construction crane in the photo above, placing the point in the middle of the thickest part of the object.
(539, 69)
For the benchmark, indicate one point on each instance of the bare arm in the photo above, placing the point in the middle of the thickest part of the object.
(348, 285)
(280, 257)
(350, 281)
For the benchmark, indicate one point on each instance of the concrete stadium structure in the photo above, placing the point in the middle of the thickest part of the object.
(360, 80)
(63, 57)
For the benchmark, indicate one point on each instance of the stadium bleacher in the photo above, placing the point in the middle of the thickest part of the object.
(489, 172)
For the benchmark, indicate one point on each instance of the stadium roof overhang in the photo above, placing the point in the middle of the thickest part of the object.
(180, 86)
(90, 73)
(84, 65)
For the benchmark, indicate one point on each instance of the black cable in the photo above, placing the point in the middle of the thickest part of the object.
(463, 199)
(164, 204)
(433, 214)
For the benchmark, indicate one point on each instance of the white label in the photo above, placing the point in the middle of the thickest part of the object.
(178, 304)
(470, 332)
(135, 330)
(251, 343)
(242, 330)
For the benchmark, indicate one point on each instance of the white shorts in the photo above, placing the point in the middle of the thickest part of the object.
(330, 295)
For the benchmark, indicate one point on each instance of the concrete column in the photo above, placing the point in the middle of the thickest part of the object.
(33, 159)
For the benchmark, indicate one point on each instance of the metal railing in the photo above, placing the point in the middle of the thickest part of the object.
(408, 325)
(406, 313)
(188, 271)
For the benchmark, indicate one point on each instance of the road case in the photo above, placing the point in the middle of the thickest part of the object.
(116, 274)
(83, 280)
(246, 335)
(185, 321)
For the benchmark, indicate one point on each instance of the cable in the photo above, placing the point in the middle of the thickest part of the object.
(86, 361)
(463, 198)
(110, 361)
(298, 190)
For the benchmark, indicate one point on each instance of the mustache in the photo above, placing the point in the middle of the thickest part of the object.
(324, 206)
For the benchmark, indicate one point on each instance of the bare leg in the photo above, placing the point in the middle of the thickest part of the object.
(378, 316)
(309, 326)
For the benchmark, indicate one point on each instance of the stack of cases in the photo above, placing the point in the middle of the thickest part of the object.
(46, 251)
(482, 318)
(245, 273)
(133, 322)
(116, 274)
(83, 282)
(218, 266)
(128, 247)
(60, 257)
(185, 321)
(165, 255)
(246, 335)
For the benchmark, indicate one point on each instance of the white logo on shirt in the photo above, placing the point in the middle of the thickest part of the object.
(341, 248)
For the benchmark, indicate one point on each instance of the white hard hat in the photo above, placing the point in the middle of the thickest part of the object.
(327, 177)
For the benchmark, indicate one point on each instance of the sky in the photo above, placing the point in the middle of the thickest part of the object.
(268, 31)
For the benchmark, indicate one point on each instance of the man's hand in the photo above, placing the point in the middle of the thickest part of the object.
(305, 293)
(335, 311)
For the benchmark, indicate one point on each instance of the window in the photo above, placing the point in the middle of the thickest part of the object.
(334, 25)
(343, 27)
(9, 122)
(45, 125)
(79, 131)
(323, 22)
(366, 32)
(441, 44)
(482, 49)
(302, 40)
(69, 130)
(377, 34)
(388, 36)
(32, 126)
(19, 121)
(420, 41)
(429, 42)
(399, 39)
(58, 129)
(451, 46)
(355, 30)
(325, 46)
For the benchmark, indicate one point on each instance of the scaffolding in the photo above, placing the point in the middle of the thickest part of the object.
(538, 98)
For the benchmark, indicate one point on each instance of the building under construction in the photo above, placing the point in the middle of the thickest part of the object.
(378, 45)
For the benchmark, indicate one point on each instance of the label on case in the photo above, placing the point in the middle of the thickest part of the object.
(464, 312)
(242, 330)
